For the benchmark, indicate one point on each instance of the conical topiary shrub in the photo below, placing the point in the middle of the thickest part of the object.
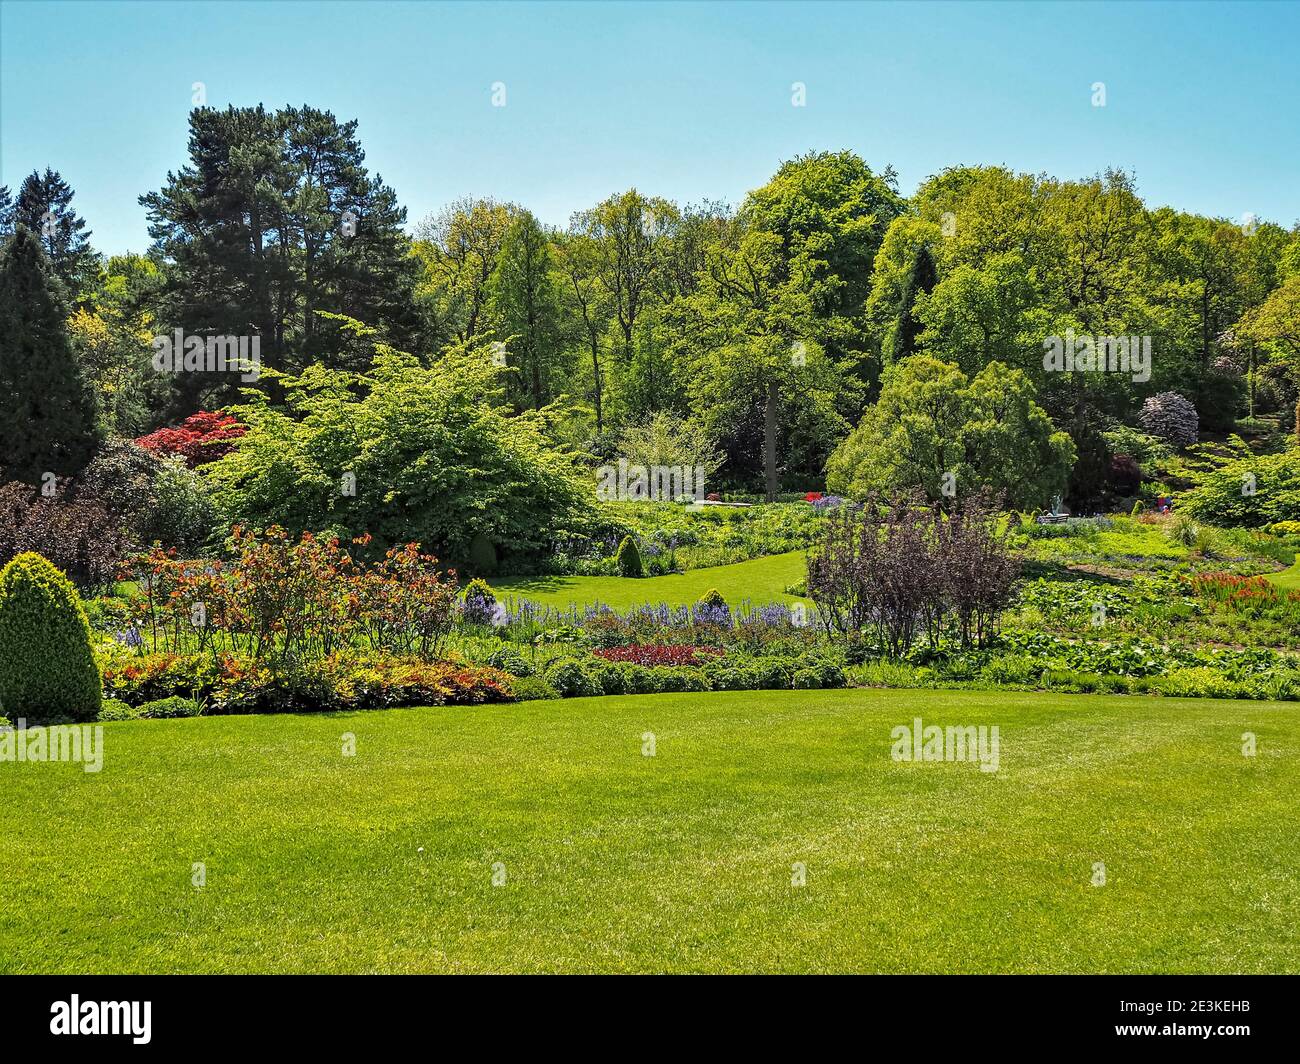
(47, 670)
(713, 598)
(628, 558)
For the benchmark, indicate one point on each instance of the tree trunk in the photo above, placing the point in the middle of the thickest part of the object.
(769, 440)
(595, 373)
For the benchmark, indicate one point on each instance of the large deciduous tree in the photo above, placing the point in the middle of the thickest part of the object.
(527, 306)
(459, 249)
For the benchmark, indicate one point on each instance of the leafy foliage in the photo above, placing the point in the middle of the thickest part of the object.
(201, 438)
(896, 570)
(658, 654)
(934, 428)
(234, 683)
(47, 669)
(402, 452)
(286, 601)
(1249, 492)
(75, 527)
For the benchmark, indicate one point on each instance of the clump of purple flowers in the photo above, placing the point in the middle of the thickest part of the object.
(478, 607)
(773, 615)
(711, 613)
(130, 638)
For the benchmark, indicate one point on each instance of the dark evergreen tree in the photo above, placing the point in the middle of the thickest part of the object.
(6, 211)
(47, 410)
(1092, 462)
(44, 206)
(274, 219)
(921, 278)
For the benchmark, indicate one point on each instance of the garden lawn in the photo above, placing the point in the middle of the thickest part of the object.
(760, 580)
(1288, 578)
(615, 861)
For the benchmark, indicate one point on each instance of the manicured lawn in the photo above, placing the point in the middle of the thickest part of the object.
(615, 861)
(760, 580)
(1288, 577)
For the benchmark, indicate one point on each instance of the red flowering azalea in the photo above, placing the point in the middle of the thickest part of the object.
(812, 496)
(201, 438)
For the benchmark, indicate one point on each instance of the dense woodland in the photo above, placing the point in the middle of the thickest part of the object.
(827, 332)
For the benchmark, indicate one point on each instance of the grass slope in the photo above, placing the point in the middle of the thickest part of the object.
(1288, 578)
(615, 861)
(761, 580)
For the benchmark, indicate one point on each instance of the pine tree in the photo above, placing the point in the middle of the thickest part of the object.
(44, 206)
(274, 219)
(921, 278)
(6, 211)
(47, 410)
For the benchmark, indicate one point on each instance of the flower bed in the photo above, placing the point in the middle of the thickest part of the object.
(230, 683)
(658, 654)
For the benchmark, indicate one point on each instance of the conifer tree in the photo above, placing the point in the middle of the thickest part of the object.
(47, 410)
(921, 278)
(44, 206)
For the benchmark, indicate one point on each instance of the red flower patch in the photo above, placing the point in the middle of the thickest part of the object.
(658, 654)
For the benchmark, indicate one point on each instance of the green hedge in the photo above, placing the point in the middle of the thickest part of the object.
(588, 677)
(47, 669)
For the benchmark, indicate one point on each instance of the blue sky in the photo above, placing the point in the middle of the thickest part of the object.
(683, 100)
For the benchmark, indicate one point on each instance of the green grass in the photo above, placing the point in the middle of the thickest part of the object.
(1288, 578)
(760, 580)
(615, 861)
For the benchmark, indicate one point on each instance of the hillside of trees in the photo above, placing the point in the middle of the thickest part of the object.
(823, 314)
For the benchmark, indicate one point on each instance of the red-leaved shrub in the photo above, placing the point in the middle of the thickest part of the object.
(201, 438)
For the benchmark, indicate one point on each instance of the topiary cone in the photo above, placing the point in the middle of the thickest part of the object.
(47, 669)
(628, 558)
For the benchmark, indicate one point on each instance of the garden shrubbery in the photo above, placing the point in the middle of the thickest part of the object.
(478, 604)
(628, 558)
(1253, 491)
(427, 452)
(47, 668)
(895, 571)
(579, 677)
(284, 600)
(74, 528)
(236, 684)
(1170, 417)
